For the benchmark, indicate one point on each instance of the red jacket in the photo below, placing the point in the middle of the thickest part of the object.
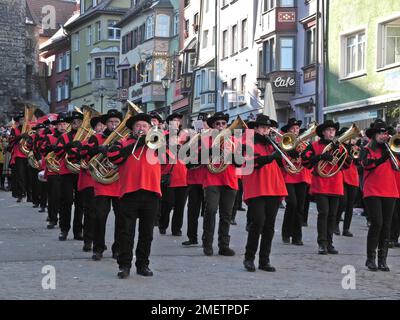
(379, 178)
(303, 176)
(196, 176)
(50, 139)
(135, 175)
(319, 185)
(61, 152)
(264, 181)
(16, 151)
(350, 176)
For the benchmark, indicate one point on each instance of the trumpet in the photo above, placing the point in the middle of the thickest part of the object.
(393, 147)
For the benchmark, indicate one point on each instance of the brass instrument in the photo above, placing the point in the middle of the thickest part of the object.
(35, 164)
(29, 115)
(154, 139)
(287, 140)
(84, 133)
(355, 152)
(327, 169)
(52, 162)
(393, 146)
(219, 141)
(100, 168)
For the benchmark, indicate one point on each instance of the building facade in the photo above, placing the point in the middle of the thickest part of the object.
(363, 75)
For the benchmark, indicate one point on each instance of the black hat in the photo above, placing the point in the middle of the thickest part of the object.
(38, 113)
(39, 126)
(138, 117)
(155, 115)
(341, 131)
(291, 122)
(19, 116)
(74, 115)
(378, 126)
(94, 121)
(262, 120)
(174, 115)
(203, 116)
(62, 117)
(112, 113)
(217, 116)
(325, 125)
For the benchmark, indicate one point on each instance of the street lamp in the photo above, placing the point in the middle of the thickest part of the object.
(166, 83)
(261, 84)
(101, 90)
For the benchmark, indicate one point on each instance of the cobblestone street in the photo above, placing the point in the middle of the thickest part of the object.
(183, 273)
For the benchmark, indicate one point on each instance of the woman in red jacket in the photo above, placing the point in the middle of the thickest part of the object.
(263, 190)
(380, 194)
(326, 190)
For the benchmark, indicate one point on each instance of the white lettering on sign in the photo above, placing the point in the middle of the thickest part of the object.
(281, 82)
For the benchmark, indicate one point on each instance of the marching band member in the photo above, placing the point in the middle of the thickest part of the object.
(326, 190)
(380, 193)
(156, 120)
(351, 184)
(140, 191)
(296, 185)
(219, 195)
(263, 190)
(69, 183)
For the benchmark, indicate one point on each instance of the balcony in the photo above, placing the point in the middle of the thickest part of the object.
(108, 85)
(279, 20)
(153, 92)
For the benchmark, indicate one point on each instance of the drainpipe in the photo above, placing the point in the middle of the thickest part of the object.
(317, 118)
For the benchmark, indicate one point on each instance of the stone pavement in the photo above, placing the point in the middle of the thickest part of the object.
(26, 246)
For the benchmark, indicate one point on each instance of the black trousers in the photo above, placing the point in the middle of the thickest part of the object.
(43, 194)
(89, 214)
(2, 176)
(395, 228)
(217, 198)
(54, 197)
(294, 212)
(102, 209)
(21, 177)
(195, 197)
(69, 186)
(142, 205)
(307, 204)
(380, 213)
(262, 213)
(346, 204)
(238, 200)
(327, 207)
(173, 198)
(34, 180)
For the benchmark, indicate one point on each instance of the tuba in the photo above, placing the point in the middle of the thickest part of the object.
(52, 162)
(217, 164)
(84, 133)
(29, 114)
(100, 168)
(328, 169)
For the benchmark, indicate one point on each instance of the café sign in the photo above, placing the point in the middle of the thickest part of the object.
(283, 82)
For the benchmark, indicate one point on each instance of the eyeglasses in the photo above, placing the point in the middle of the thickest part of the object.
(220, 123)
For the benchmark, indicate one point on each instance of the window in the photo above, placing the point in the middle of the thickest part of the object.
(160, 69)
(389, 44)
(150, 27)
(355, 53)
(243, 83)
(113, 33)
(191, 61)
(234, 39)
(310, 47)
(196, 22)
(203, 81)
(224, 100)
(66, 89)
(110, 67)
(268, 59)
(89, 71)
(125, 78)
(67, 59)
(287, 3)
(225, 44)
(244, 34)
(49, 96)
(287, 53)
(211, 80)
(162, 29)
(176, 23)
(97, 66)
(59, 91)
(76, 41)
(186, 31)
(234, 84)
(205, 38)
(60, 63)
(198, 86)
(98, 30)
(77, 78)
(50, 68)
(268, 5)
(89, 35)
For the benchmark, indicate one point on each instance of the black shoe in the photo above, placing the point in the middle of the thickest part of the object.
(322, 250)
(47, 219)
(97, 256)
(189, 243)
(144, 271)
(208, 251)
(286, 240)
(347, 233)
(266, 267)
(87, 247)
(397, 244)
(176, 234)
(305, 224)
(42, 210)
(390, 244)
(115, 255)
(163, 231)
(233, 223)
(19, 200)
(78, 237)
(226, 252)
(337, 231)
(332, 250)
(297, 242)
(35, 206)
(371, 265)
(249, 265)
(123, 273)
(51, 225)
(241, 209)
(62, 236)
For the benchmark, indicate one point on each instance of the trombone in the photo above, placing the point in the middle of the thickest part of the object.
(289, 163)
(393, 147)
